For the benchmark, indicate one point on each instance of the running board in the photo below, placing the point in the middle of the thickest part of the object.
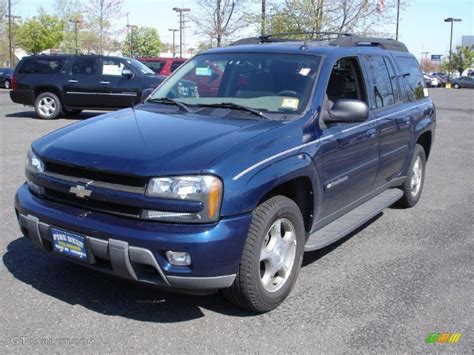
(352, 220)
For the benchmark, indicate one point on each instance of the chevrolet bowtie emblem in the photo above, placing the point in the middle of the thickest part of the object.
(80, 191)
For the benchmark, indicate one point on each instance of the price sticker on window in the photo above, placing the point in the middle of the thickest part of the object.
(290, 102)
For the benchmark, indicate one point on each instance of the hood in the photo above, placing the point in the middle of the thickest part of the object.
(148, 143)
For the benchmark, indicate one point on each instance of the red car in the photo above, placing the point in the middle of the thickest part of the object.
(162, 66)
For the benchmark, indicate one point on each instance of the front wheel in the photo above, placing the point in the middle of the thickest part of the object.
(413, 184)
(272, 256)
(456, 86)
(48, 106)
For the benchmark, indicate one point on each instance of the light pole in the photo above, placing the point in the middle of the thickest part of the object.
(398, 19)
(181, 23)
(131, 28)
(452, 20)
(75, 21)
(174, 30)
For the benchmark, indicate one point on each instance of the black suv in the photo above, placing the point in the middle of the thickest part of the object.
(56, 84)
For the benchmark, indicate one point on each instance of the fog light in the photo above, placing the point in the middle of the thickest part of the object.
(178, 258)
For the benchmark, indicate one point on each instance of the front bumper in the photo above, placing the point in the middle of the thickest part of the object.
(135, 249)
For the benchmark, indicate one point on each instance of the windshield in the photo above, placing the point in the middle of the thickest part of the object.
(140, 67)
(269, 82)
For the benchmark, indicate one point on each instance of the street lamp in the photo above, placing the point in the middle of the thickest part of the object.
(174, 30)
(452, 20)
(181, 23)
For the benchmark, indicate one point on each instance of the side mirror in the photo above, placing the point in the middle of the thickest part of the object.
(347, 111)
(127, 72)
(146, 93)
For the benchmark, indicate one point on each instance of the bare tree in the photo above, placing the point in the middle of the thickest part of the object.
(101, 12)
(217, 19)
(357, 16)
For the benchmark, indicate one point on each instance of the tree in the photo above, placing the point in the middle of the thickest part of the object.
(145, 42)
(101, 12)
(218, 19)
(40, 33)
(356, 16)
(462, 58)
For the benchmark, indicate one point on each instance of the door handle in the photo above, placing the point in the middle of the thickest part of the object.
(72, 81)
(371, 133)
(104, 82)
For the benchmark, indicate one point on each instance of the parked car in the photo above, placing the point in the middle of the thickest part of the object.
(56, 84)
(442, 79)
(298, 144)
(463, 82)
(162, 66)
(6, 77)
(431, 81)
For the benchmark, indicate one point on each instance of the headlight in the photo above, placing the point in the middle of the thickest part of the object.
(202, 188)
(33, 163)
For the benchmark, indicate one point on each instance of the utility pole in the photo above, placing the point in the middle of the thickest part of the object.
(75, 21)
(452, 20)
(264, 16)
(10, 31)
(174, 30)
(398, 19)
(181, 10)
(131, 28)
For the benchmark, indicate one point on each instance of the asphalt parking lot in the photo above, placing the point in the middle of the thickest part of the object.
(382, 289)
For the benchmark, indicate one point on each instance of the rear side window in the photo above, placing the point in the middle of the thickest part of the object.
(85, 66)
(175, 65)
(380, 83)
(155, 66)
(42, 65)
(412, 77)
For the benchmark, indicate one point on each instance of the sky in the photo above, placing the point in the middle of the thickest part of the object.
(422, 27)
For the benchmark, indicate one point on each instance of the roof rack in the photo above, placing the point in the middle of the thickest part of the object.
(333, 38)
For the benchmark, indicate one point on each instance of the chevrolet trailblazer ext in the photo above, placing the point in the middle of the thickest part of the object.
(297, 144)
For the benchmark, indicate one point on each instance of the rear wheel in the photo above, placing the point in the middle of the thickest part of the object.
(413, 184)
(48, 106)
(7, 84)
(272, 256)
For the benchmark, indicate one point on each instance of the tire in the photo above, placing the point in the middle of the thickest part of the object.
(413, 184)
(456, 86)
(48, 106)
(255, 288)
(7, 84)
(68, 111)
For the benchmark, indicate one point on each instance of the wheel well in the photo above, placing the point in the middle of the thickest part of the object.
(42, 89)
(425, 141)
(301, 192)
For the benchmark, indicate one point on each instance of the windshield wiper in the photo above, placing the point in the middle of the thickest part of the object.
(166, 101)
(232, 106)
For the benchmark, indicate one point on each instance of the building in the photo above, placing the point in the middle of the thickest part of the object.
(467, 41)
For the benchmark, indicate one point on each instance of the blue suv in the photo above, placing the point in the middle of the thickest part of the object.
(238, 163)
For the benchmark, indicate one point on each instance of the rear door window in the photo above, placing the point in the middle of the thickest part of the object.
(84, 66)
(155, 66)
(412, 77)
(42, 65)
(380, 83)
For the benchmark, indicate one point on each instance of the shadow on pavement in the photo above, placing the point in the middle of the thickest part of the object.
(109, 295)
(106, 294)
(32, 114)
